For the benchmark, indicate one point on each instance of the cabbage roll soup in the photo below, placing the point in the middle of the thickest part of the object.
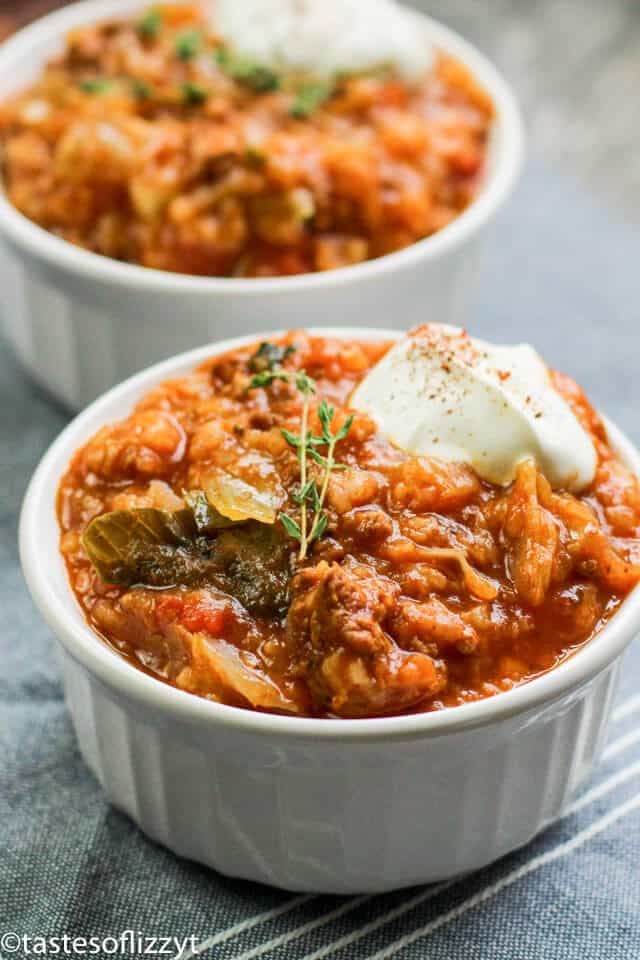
(205, 140)
(333, 528)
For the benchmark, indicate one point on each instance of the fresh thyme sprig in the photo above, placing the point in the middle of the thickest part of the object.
(302, 445)
(309, 497)
(329, 439)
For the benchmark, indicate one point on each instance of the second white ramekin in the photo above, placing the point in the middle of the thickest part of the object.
(81, 322)
(326, 806)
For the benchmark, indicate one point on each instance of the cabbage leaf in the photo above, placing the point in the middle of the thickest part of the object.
(160, 548)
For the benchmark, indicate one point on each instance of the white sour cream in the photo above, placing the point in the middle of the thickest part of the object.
(441, 393)
(324, 37)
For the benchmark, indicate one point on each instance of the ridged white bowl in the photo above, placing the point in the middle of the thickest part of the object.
(340, 806)
(81, 323)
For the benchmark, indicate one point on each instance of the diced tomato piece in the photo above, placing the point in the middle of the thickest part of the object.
(206, 614)
(169, 606)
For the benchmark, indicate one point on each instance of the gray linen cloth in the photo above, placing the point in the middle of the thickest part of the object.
(562, 273)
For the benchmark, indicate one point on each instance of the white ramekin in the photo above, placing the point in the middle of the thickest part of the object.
(81, 322)
(338, 806)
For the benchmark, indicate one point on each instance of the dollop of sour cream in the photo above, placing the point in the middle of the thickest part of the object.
(325, 37)
(439, 392)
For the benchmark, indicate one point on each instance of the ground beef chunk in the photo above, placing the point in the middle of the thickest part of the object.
(337, 627)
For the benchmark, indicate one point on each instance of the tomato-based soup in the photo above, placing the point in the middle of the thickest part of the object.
(240, 537)
(147, 141)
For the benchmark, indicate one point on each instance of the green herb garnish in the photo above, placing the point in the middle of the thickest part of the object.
(96, 85)
(258, 78)
(312, 491)
(188, 44)
(309, 97)
(268, 356)
(310, 497)
(141, 90)
(193, 93)
(150, 24)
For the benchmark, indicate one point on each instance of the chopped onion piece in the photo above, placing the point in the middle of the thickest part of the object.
(476, 583)
(237, 500)
(223, 661)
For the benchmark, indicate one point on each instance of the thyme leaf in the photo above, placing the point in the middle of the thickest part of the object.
(290, 526)
(266, 378)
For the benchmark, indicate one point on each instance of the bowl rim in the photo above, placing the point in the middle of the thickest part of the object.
(508, 149)
(101, 660)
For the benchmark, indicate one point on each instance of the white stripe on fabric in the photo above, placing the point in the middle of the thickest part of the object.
(626, 708)
(617, 746)
(246, 925)
(562, 850)
(627, 773)
(352, 904)
(388, 917)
